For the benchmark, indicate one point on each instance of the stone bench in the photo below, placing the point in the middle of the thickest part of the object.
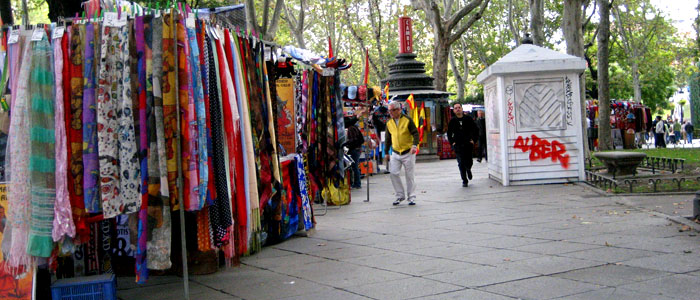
(621, 163)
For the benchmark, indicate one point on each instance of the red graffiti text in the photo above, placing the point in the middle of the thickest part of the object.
(543, 149)
(511, 117)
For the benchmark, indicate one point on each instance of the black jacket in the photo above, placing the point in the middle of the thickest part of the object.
(461, 130)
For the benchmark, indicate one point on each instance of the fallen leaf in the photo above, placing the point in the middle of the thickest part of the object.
(586, 223)
(684, 228)
(627, 212)
(675, 204)
(321, 244)
(607, 245)
(574, 217)
(608, 191)
(618, 263)
(687, 251)
(506, 259)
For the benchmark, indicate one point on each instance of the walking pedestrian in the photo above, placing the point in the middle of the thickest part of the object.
(402, 138)
(462, 134)
(689, 128)
(676, 131)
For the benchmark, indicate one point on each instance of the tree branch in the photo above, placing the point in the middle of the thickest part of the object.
(457, 17)
(516, 35)
(469, 23)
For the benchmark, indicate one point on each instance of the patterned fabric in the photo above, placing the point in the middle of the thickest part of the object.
(203, 240)
(305, 203)
(169, 113)
(218, 226)
(118, 159)
(18, 152)
(203, 62)
(158, 206)
(250, 177)
(140, 256)
(63, 217)
(188, 122)
(241, 208)
(201, 119)
(90, 156)
(42, 163)
(73, 110)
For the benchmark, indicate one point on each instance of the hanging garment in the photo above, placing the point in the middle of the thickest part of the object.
(303, 192)
(200, 140)
(90, 155)
(204, 63)
(218, 225)
(168, 88)
(17, 165)
(159, 238)
(63, 217)
(250, 177)
(73, 109)
(240, 202)
(188, 123)
(141, 254)
(42, 154)
(118, 155)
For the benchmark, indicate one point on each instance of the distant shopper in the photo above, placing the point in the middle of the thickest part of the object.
(676, 131)
(689, 131)
(354, 141)
(462, 134)
(402, 138)
(659, 133)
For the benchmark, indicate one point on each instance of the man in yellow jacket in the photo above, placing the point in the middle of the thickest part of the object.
(402, 138)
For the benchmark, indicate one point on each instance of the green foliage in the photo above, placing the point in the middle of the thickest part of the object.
(694, 83)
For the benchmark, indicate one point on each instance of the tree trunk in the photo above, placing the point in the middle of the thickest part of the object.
(604, 134)
(458, 76)
(440, 60)
(6, 12)
(573, 33)
(537, 21)
(636, 83)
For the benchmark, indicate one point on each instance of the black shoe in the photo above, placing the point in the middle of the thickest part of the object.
(398, 201)
(465, 184)
(469, 174)
(478, 159)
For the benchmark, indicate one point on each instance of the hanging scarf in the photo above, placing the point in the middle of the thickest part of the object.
(204, 232)
(188, 123)
(141, 254)
(73, 110)
(201, 120)
(218, 225)
(169, 107)
(305, 203)
(18, 152)
(63, 217)
(254, 226)
(239, 203)
(158, 206)
(118, 155)
(90, 155)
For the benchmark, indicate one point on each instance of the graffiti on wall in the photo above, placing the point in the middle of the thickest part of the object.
(568, 93)
(543, 149)
(509, 103)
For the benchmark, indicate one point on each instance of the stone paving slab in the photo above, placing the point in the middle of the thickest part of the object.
(482, 242)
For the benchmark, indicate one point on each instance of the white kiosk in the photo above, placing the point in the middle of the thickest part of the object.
(533, 117)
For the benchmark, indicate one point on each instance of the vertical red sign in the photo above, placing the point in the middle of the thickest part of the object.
(405, 35)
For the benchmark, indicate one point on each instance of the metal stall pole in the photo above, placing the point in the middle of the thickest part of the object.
(180, 187)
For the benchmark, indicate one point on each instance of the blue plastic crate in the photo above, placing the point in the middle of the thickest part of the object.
(99, 287)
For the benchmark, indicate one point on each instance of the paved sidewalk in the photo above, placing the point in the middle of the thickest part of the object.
(481, 242)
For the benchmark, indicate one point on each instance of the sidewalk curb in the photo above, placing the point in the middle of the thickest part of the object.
(676, 219)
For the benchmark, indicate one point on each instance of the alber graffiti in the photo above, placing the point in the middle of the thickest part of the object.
(542, 149)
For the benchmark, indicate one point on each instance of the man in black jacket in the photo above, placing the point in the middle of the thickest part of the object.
(462, 134)
(354, 141)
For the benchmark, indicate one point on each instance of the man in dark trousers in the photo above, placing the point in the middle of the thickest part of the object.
(462, 134)
(481, 124)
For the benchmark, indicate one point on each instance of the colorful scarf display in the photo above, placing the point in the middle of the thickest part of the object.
(92, 154)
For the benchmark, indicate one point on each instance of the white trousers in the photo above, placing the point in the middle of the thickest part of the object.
(408, 161)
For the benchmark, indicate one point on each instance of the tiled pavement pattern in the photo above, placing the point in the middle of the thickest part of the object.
(481, 242)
